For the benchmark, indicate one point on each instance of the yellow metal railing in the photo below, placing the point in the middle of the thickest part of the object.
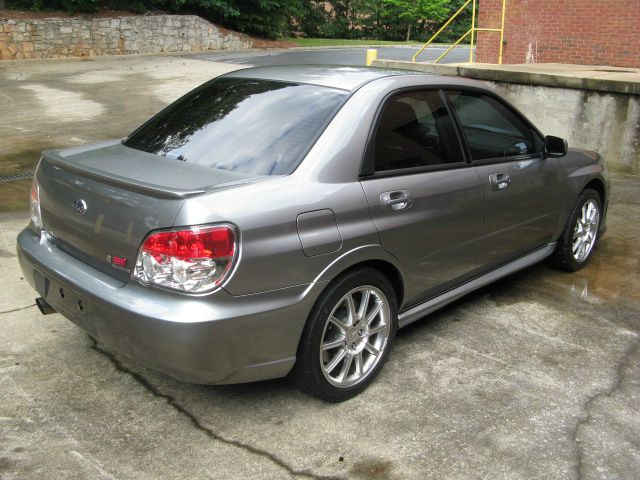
(472, 31)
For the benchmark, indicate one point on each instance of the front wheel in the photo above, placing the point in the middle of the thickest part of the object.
(578, 240)
(348, 336)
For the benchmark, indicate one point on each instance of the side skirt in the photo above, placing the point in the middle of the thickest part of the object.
(425, 308)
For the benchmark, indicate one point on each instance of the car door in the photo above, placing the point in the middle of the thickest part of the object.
(425, 200)
(523, 190)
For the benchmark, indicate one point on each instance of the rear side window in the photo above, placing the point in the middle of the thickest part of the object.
(258, 127)
(415, 130)
(492, 129)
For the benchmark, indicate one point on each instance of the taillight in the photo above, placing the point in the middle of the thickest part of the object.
(34, 204)
(196, 259)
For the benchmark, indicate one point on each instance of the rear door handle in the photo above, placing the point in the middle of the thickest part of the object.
(499, 181)
(396, 200)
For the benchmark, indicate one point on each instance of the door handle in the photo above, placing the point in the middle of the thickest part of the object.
(396, 200)
(499, 181)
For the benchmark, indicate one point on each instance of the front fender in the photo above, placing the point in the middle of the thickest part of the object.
(583, 167)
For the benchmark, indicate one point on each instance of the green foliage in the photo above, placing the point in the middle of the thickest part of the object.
(383, 19)
(414, 11)
(347, 19)
(81, 5)
(265, 18)
(460, 25)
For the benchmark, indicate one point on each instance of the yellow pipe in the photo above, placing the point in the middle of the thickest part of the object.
(452, 47)
(440, 31)
(473, 30)
(504, 7)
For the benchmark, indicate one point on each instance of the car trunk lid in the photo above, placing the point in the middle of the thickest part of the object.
(99, 202)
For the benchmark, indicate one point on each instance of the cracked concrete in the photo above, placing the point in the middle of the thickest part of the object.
(626, 362)
(197, 423)
(536, 376)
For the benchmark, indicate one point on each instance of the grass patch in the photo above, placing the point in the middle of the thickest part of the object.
(337, 42)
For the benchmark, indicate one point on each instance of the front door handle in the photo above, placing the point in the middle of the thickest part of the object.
(499, 181)
(396, 200)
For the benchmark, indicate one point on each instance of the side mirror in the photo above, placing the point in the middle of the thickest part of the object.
(555, 147)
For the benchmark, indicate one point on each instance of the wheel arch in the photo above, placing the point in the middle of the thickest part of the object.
(597, 185)
(370, 256)
(388, 270)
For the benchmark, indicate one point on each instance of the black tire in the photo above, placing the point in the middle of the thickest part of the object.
(563, 257)
(310, 371)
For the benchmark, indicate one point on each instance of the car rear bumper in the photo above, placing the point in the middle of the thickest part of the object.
(210, 339)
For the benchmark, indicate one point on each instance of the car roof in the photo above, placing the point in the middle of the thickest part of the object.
(334, 76)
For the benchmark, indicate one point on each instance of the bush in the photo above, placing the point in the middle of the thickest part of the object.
(362, 19)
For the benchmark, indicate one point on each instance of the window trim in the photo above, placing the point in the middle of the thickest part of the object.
(416, 170)
(367, 165)
(505, 104)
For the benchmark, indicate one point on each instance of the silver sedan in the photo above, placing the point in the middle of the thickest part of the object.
(286, 221)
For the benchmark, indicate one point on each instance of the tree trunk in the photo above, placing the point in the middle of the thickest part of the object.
(408, 33)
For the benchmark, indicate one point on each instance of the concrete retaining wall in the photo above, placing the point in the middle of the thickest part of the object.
(608, 123)
(590, 112)
(86, 36)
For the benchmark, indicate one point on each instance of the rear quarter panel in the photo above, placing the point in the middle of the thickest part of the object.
(271, 253)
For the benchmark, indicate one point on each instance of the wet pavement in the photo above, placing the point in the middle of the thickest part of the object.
(60, 103)
(536, 376)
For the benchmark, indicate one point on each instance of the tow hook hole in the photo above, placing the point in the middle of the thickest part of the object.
(62, 293)
(80, 305)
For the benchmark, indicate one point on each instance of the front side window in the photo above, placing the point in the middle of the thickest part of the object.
(491, 128)
(415, 130)
(251, 126)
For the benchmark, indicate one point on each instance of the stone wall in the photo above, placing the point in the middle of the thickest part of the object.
(87, 36)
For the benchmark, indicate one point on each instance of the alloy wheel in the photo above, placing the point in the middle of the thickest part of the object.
(355, 336)
(585, 231)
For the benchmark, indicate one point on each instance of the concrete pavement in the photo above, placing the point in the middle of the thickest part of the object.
(58, 103)
(331, 55)
(534, 377)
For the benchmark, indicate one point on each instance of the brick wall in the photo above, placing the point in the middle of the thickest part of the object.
(588, 32)
(85, 36)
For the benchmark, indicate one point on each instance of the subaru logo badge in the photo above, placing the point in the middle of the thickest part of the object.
(79, 206)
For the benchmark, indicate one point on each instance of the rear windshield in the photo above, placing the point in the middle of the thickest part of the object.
(258, 127)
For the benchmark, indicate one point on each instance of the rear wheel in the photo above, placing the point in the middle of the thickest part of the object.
(348, 336)
(579, 238)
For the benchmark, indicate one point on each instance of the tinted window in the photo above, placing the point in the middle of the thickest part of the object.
(492, 129)
(259, 127)
(415, 130)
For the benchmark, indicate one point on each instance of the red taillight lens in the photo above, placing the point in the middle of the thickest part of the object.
(213, 242)
(196, 259)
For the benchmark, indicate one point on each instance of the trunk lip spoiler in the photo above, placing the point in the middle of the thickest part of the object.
(54, 157)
